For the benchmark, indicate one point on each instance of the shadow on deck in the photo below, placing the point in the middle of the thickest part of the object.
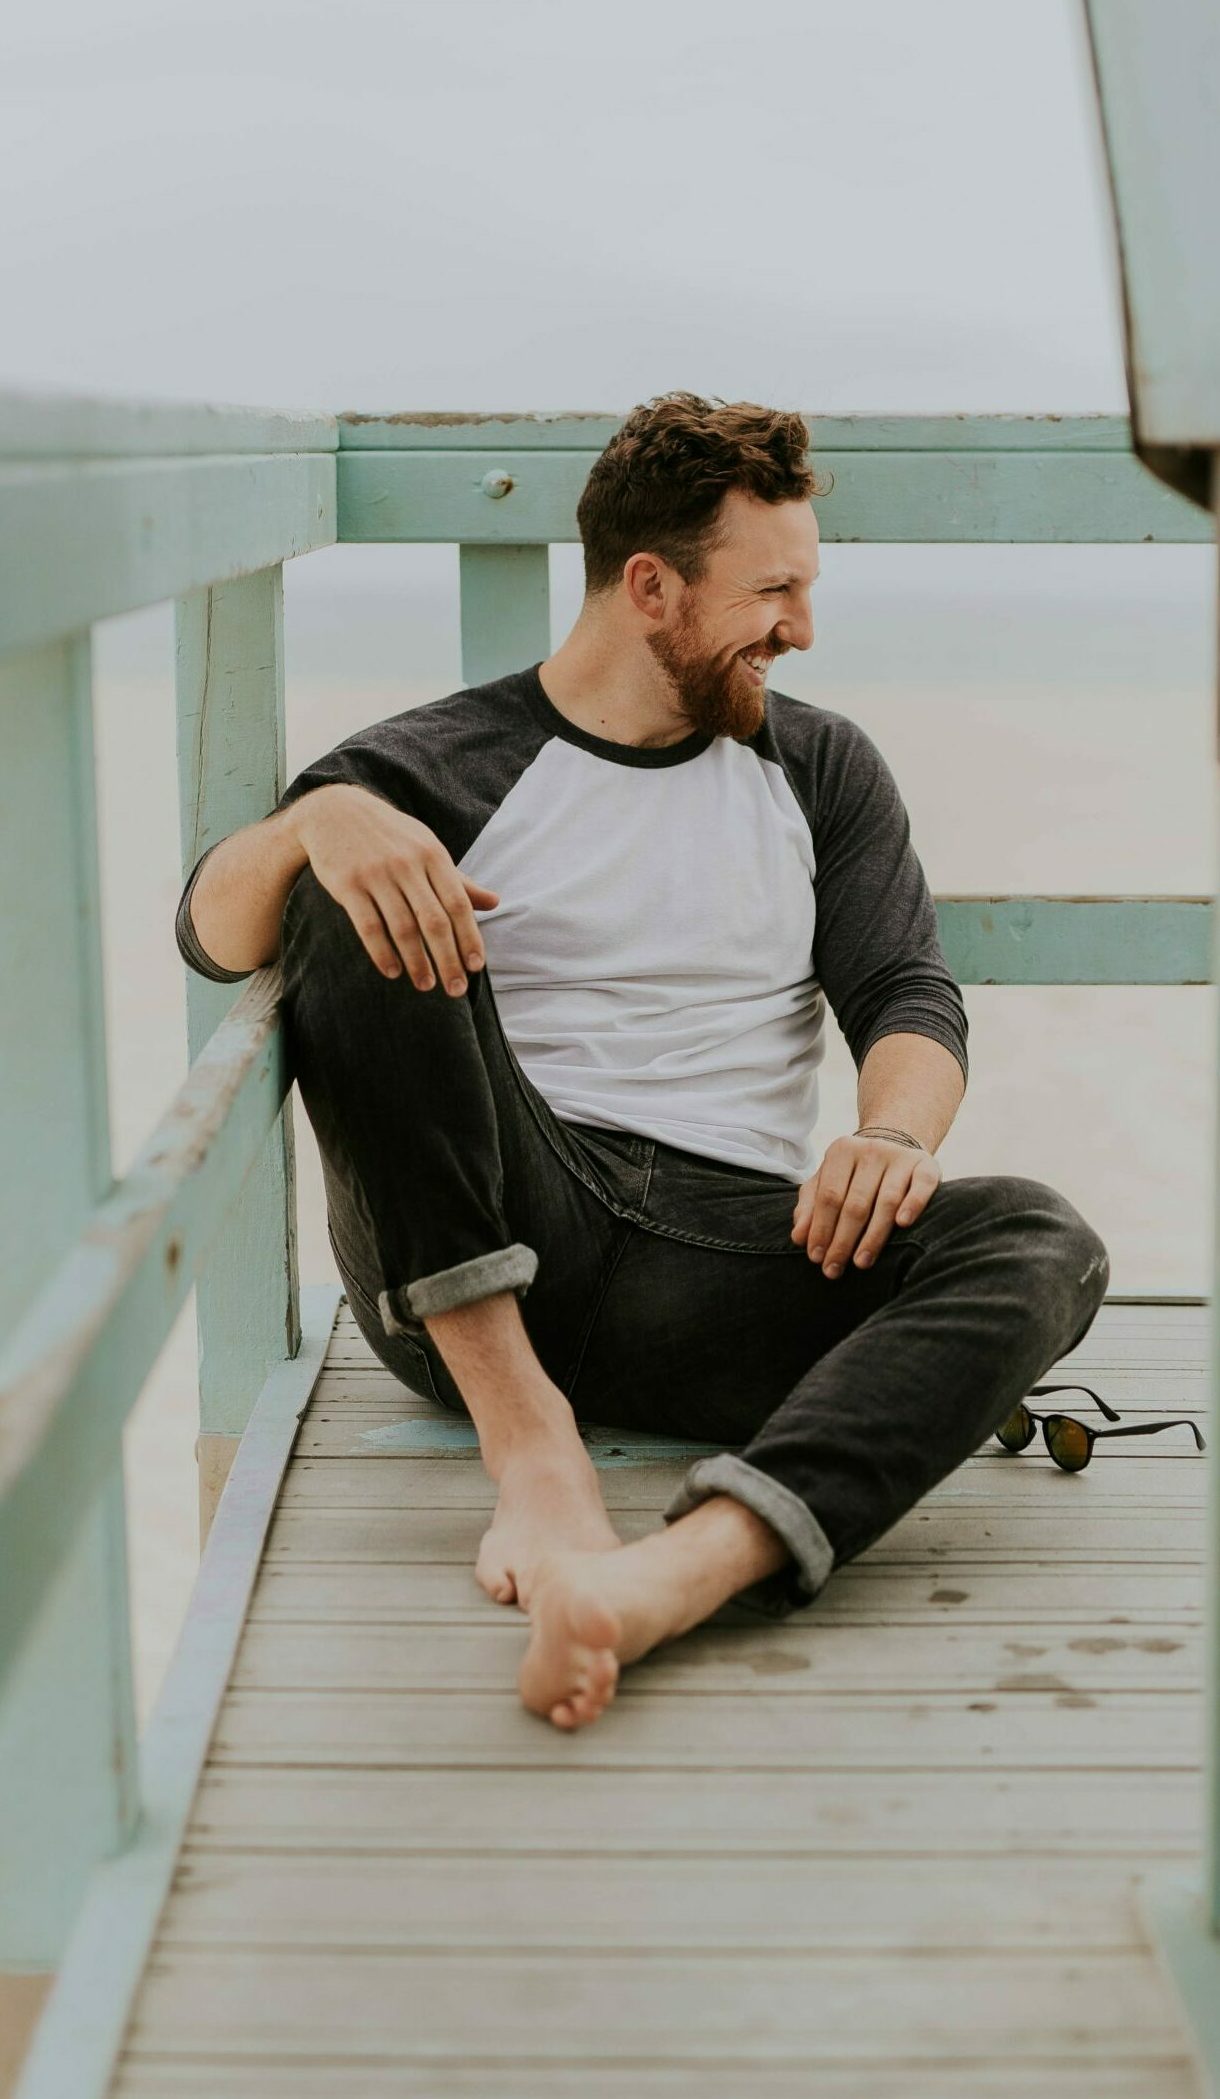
(890, 1846)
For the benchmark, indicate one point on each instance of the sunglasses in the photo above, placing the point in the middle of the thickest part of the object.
(1069, 1442)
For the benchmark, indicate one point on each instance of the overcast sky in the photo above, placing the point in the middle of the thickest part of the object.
(386, 204)
(842, 204)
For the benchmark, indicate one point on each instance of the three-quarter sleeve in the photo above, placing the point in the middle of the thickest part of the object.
(190, 948)
(877, 949)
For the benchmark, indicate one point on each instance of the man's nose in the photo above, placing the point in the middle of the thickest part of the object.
(796, 628)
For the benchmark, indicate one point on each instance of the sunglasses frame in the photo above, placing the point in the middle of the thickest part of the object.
(1048, 1421)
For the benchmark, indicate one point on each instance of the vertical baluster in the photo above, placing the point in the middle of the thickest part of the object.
(230, 657)
(506, 610)
(67, 1729)
(1212, 1581)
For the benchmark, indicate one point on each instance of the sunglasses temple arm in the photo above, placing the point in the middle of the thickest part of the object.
(1151, 1428)
(1108, 1411)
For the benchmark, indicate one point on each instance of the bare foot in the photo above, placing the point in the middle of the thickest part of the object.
(588, 1613)
(549, 1502)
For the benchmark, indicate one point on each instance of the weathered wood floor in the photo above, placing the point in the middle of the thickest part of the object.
(890, 1847)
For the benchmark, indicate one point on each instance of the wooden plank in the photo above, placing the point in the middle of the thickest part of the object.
(930, 1535)
(231, 772)
(505, 609)
(587, 2009)
(893, 497)
(67, 1722)
(80, 542)
(68, 1379)
(80, 426)
(1158, 2077)
(81, 2029)
(793, 1659)
(523, 1904)
(861, 1593)
(817, 1733)
(389, 1431)
(979, 1814)
(1009, 1481)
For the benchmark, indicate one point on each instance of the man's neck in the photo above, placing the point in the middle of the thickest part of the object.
(612, 688)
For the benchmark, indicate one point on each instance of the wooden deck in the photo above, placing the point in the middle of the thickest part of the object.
(891, 1846)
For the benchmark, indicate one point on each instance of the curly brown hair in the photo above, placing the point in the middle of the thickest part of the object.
(660, 481)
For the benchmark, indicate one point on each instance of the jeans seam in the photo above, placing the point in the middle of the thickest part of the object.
(689, 1238)
(587, 1331)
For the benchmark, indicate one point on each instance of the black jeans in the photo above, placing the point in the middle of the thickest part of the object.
(660, 1290)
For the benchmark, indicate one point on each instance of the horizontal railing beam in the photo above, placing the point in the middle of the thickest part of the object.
(71, 426)
(80, 541)
(431, 431)
(76, 1362)
(497, 495)
(1077, 940)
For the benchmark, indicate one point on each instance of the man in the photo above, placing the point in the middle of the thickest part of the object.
(556, 952)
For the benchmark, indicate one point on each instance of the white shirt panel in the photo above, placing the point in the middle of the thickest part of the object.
(652, 952)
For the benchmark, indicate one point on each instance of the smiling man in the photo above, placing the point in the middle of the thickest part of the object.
(557, 953)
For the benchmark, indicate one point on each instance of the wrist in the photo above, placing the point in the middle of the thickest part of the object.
(892, 1133)
(299, 817)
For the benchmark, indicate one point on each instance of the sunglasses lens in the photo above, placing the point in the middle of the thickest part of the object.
(1068, 1442)
(1015, 1433)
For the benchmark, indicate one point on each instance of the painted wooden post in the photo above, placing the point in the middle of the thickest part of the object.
(67, 1731)
(231, 771)
(506, 609)
(1211, 1883)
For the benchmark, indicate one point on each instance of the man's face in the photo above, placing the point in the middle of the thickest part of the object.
(751, 604)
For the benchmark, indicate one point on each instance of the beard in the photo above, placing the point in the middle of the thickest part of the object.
(718, 697)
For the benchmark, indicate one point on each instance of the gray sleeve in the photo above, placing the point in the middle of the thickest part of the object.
(876, 948)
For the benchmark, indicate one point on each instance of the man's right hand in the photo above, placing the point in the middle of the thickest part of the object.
(396, 883)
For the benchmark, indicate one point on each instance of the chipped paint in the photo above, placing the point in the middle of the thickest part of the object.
(447, 419)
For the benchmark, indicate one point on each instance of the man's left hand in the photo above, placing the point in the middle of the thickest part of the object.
(863, 1186)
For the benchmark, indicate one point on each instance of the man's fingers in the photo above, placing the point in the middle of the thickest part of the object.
(925, 1180)
(431, 925)
(461, 917)
(803, 1212)
(828, 1205)
(851, 1204)
(891, 1196)
(854, 1213)
(437, 929)
(403, 941)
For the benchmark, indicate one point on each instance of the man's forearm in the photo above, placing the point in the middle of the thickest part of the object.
(911, 1083)
(237, 904)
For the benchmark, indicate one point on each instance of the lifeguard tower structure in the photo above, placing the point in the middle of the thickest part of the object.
(956, 1833)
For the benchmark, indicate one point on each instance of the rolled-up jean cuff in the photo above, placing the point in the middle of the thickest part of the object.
(405, 1308)
(799, 1580)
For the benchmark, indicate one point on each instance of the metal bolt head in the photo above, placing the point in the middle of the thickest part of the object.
(497, 483)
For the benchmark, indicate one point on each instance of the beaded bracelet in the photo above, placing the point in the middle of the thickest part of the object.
(899, 1136)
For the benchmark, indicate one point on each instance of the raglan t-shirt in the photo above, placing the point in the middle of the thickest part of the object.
(672, 920)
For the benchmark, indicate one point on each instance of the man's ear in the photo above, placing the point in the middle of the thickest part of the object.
(649, 583)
